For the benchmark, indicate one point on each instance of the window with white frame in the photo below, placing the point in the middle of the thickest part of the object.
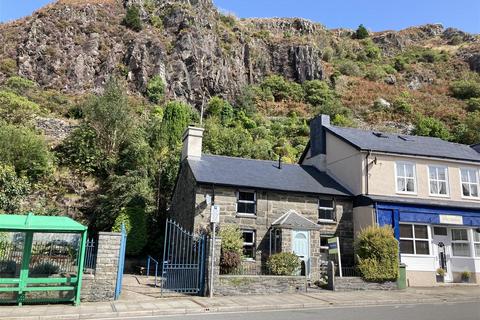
(405, 177)
(460, 243)
(476, 242)
(469, 179)
(414, 239)
(438, 180)
(246, 202)
(326, 209)
(248, 244)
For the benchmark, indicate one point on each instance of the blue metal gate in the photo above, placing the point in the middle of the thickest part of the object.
(121, 263)
(183, 268)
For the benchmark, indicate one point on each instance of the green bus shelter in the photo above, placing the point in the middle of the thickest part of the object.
(41, 259)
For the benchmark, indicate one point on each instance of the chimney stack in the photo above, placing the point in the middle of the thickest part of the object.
(192, 143)
(476, 147)
(317, 134)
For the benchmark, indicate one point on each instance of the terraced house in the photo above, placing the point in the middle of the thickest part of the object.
(427, 189)
(278, 207)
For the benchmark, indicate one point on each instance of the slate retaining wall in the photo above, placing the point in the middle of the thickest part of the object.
(230, 285)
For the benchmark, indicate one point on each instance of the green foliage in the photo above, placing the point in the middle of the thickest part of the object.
(283, 264)
(377, 251)
(8, 67)
(19, 84)
(465, 89)
(17, 109)
(220, 108)
(375, 73)
(473, 104)
(361, 32)
(44, 269)
(134, 219)
(342, 121)
(13, 189)
(8, 268)
(370, 52)
(401, 106)
(228, 20)
(349, 68)
(431, 127)
(468, 132)
(155, 89)
(176, 118)
(132, 19)
(232, 240)
(81, 151)
(418, 54)
(317, 92)
(282, 89)
(229, 261)
(400, 63)
(21, 148)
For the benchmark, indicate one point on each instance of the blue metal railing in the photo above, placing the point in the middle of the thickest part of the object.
(149, 258)
(90, 254)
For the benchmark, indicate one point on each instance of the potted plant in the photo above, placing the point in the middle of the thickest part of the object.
(465, 276)
(440, 275)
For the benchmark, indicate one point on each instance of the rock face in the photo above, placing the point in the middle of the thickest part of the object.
(76, 47)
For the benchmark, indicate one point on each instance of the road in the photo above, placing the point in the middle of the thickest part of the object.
(445, 311)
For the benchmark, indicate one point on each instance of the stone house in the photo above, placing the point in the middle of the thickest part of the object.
(278, 207)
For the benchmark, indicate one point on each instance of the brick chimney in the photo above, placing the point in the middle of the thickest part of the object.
(192, 143)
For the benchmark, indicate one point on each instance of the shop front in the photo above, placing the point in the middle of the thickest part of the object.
(437, 244)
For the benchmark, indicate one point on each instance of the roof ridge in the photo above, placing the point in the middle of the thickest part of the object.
(250, 159)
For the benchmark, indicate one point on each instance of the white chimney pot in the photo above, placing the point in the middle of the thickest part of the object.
(192, 143)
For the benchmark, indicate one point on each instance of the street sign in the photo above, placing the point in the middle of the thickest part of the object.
(215, 214)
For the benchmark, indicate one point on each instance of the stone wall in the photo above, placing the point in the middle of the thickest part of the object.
(270, 206)
(100, 285)
(357, 284)
(245, 285)
(183, 199)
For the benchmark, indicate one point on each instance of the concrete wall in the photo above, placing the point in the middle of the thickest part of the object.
(100, 286)
(382, 177)
(270, 206)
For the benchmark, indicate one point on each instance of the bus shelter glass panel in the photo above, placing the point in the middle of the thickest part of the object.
(11, 255)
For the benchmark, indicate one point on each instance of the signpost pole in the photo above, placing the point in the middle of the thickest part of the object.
(214, 219)
(339, 259)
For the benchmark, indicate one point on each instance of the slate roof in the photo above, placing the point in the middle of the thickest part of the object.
(405, 144)
(262, 174)
(293, 220)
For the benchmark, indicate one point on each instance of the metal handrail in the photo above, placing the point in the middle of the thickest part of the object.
(149, 258)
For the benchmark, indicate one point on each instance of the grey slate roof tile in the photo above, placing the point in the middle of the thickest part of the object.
(293, 220)
(262, 174)
(405, 144)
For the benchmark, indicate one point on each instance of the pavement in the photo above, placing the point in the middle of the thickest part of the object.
(136, 303)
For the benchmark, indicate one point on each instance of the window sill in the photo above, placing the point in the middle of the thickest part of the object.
(325, 221)
(246, 215)
(411, 255)
(443, 196)
(407, 193)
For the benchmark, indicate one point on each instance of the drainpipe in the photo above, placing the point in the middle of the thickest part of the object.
(367, 172)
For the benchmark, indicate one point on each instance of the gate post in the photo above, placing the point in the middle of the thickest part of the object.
(121, 263)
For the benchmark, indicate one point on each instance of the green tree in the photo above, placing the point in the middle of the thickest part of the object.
(13, 189)
(468, 133)
(21, 148)
(361, 32)
(17, 109)
(135, 221)
(317, 92)
(156, 89)
(132, 19)
(431, 127)
(220, 108)
(176, 118)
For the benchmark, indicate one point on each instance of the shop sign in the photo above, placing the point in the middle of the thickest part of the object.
(451, 219)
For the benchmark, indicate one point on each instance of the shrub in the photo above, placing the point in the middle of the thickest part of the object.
(317, 92)
(155, 89)
(21, 148)
(12, 189)
(132, 19)
(349, 68)
(282, 89)
(229, 261)
(8, 66)
(465, 89)
(17, 109)
(431, 127)
(220, 108)
(19, 84)
(375, 73)
(283, 264)
(370, 52)
(377, 251)
(400, 105)
(361, 32)
(400, 64)
(134, 219)
(7, 267)
(473, 104)
(342, 121)
(44, 269)
(232, 240)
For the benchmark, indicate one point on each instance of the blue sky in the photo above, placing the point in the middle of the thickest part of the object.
(375, 14)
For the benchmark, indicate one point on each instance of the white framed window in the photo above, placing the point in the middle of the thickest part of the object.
(460, 243)
(246, 202)
(326, 209)
(414, 239)
(476, 242)
(405, 180)
(438, 181)
(469, 181)
(248, 244)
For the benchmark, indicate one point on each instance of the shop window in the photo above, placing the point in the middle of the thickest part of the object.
(438, 181)
(440, 231)
(469, 182)
(414, 239)
(248, 244)
(460, 244)
(406, 177)
(326, 210)
(476, 242)
(246, 202)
